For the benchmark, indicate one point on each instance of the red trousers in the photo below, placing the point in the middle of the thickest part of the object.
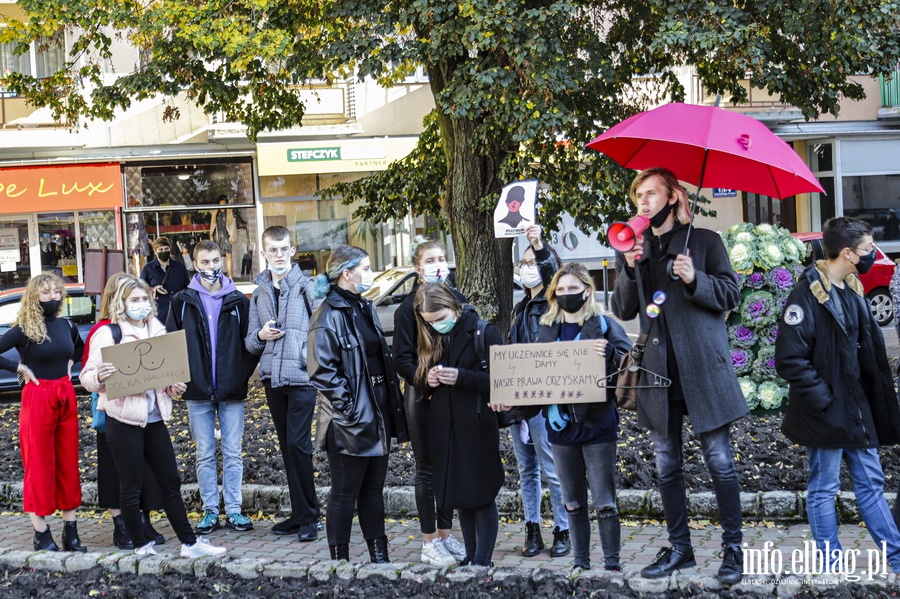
(48, 438)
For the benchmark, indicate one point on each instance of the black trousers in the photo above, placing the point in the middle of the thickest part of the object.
(356, 483)
(108, 486)
(425, 504)
(132, 446)
(292, 412)
(479, 528)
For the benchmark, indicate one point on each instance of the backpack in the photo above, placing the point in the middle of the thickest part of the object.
(98, 417)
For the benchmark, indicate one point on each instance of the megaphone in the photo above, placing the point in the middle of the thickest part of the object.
(623, 236)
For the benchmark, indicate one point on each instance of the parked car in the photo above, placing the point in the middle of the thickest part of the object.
(876, 282)
(79, 308)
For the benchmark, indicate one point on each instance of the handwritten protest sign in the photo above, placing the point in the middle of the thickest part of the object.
(546, 373)
(147, 364)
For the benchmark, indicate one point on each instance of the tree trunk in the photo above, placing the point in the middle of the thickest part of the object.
(483, 264)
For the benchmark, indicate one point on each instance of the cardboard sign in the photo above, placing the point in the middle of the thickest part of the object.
(546, 373)
(147, 364)
(516, 209)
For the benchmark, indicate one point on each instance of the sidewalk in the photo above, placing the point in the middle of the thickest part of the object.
(640, 542)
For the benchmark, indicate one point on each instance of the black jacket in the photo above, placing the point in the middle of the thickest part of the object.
(336, 362)
(406, 358)
(828, 405)
(527, 313)
(234, 364)
(463, 433)
(174, 278)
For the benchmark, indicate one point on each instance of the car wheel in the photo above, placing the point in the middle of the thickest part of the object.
(882, 306)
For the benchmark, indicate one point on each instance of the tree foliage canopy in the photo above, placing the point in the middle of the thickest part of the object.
(519, 85)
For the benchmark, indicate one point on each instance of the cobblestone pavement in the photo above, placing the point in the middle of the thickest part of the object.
(640, 542)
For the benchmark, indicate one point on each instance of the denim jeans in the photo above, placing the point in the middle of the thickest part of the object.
(533, 459)
(716, 447)
(479, 528)
(230, 415)
(868, 486)
(580, 466)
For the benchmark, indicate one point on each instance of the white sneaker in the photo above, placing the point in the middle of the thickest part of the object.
(436, 554)
(456, 549)
(201, 548)
(146, 549)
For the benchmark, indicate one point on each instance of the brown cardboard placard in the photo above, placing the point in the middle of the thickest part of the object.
(546, 373)
(147, 364)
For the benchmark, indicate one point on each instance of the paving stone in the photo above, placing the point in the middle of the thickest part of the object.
(128, 563)
(89, 494)
(82, 561)
(389, 571)
(702, 505)
(502, 574)
(750, 504)
(697, 580)
(245, 567)
(178, 565)
(645, 585)
(846, 507)
(110, 561)
(400, 501)
(347, 570)
(654, 504)
(268, 499)
(15, 559)
(152, 565)
(53, 561)
(190, 494)
(322, 570)
(248, 498)
(779, 504)
(286, 569)
(632, 502)
(203, 566)
(787, 590)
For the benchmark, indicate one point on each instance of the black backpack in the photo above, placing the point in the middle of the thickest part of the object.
(504, 419)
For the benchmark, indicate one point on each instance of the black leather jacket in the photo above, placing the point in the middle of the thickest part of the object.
(336, 362)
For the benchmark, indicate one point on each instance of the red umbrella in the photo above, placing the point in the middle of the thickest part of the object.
(709, 147)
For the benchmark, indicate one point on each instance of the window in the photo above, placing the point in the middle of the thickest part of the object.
(43, 58)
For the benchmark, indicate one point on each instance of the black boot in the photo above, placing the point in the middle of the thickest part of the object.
(43, 541)
(121, 538)
(378, 550)
(561, 544)
(610, 539)
(533, 541)
(340, 552)
(150, 533)
(732, 568)
(70, 539)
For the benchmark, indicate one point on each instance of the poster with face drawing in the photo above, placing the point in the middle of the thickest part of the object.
(516, 209)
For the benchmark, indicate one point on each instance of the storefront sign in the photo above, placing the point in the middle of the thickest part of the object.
(302, 158)
(546, 373)
(64, 187)
(9, 245)
(721, 192)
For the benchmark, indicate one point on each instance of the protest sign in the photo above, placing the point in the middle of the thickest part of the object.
(516, 209)
(147, 364)
(546, 373)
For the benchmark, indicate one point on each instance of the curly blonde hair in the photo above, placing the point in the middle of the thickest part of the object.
(124, 287)
(31, 316)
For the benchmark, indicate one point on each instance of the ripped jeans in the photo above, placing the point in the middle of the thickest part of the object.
(579, 466)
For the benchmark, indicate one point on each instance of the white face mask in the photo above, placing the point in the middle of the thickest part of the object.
(530, 276)
(366, 278)
(138, 312)
(436, 272)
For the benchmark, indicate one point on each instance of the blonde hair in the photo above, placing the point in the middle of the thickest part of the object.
(431, 297)
(124, 286)
(682, 208)
(554, 313)
(108, 292)
(31, 316)
(420, 245)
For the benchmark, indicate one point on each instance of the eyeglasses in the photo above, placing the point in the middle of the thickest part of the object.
(868, 250)
(279, 251)
(524, 263)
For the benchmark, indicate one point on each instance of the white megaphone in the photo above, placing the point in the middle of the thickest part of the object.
(623, 236)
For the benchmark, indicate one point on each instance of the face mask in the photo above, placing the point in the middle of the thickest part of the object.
(210, 276)
(280, 271)
(865, 262)
(50, 308)
(571, 303)
(138, 312)
(365, 281)
(436, 272)
(530, 276)
(164, 256)
(443, 326)
(658, 219)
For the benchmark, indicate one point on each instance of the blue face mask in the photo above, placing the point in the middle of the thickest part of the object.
(138, 312)
(444, 326)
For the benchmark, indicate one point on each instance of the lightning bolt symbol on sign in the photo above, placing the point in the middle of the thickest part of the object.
(512, 368)
(577, 364)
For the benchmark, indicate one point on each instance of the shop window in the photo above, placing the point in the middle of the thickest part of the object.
(876, 200)
(195, 184)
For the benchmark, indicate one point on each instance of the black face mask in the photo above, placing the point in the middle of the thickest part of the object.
(50, 308)
(164, 256)
(571, 303)
(865, 262)
(658, 219)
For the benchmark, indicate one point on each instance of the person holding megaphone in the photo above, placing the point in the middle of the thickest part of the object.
(681, 286)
